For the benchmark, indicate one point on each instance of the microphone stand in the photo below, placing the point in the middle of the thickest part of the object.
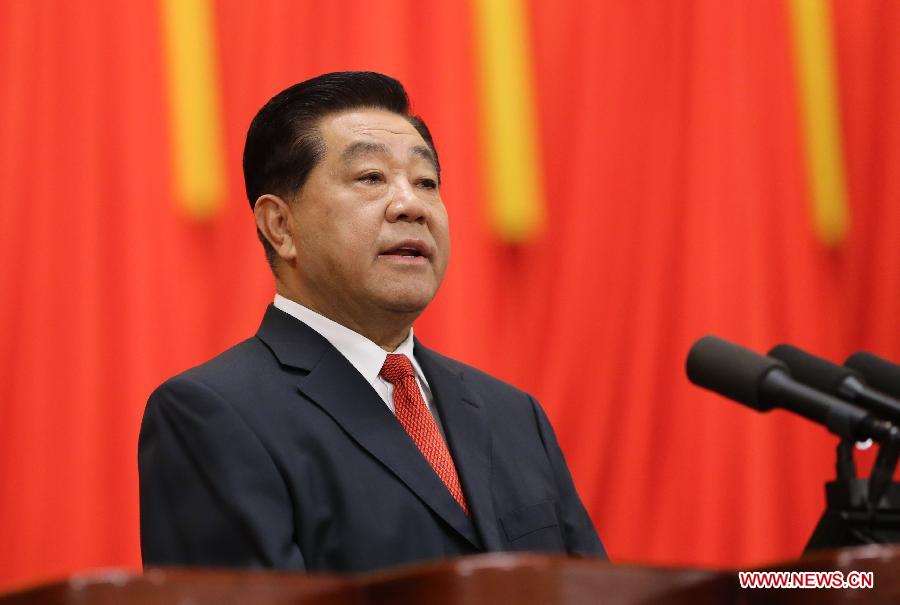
(846, 465)
(860, 511)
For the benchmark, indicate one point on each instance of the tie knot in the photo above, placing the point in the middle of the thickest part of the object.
(396, 367)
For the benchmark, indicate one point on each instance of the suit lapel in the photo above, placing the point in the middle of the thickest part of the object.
(468, 437)
(339, 390)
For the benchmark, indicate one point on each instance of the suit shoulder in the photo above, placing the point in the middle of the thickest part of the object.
(243, 363)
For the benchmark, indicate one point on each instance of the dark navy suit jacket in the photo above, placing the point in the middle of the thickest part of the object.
(278, 453)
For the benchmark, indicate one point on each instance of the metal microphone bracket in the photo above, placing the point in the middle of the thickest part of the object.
(861, 511)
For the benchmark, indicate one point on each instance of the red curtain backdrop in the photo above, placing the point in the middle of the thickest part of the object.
(677, 205)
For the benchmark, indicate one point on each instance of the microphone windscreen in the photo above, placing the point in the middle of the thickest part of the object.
(730, 370)
(880, 373)
(811, 370)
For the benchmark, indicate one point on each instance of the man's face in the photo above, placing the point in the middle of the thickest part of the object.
(371, 230)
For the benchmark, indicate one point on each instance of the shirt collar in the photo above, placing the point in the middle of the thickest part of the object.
(366, 356)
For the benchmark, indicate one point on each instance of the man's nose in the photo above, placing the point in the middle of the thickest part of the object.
(406, 204)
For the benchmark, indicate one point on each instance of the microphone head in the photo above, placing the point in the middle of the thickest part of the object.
(880, 373)
(730, 370)
(813, 371)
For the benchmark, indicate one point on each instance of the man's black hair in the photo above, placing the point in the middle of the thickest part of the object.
(283, 144)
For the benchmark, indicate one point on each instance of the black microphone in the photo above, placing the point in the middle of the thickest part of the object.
(836, 380)
(879, 372)
(764, 383)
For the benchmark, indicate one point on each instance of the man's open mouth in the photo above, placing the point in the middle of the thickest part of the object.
(408, 249)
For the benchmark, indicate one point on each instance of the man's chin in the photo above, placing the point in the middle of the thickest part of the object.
(405, 307)
(403, 296)
(406, 303)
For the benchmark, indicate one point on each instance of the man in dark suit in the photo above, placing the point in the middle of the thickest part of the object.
(333, 440)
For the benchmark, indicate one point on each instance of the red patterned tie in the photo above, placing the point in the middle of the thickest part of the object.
(413, 414)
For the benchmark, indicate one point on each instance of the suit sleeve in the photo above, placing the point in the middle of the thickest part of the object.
(578, 530)
(210, 493)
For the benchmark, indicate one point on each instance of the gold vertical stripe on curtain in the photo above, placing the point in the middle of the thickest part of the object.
(814, 60)
(194, 106)
(512, 164)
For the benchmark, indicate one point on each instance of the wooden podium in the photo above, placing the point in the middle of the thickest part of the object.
(480, 580)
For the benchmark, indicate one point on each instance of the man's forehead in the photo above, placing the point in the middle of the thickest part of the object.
(355, 133)
(370, 123)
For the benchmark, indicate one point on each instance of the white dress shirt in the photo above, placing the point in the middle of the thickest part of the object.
(363, 354)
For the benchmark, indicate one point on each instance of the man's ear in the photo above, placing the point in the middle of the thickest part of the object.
(274, 220)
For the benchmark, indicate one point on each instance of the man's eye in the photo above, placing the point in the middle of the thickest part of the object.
(371, 177)
(428, 183)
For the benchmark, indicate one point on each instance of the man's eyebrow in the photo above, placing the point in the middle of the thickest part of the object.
(424, 152)
(359, 148)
